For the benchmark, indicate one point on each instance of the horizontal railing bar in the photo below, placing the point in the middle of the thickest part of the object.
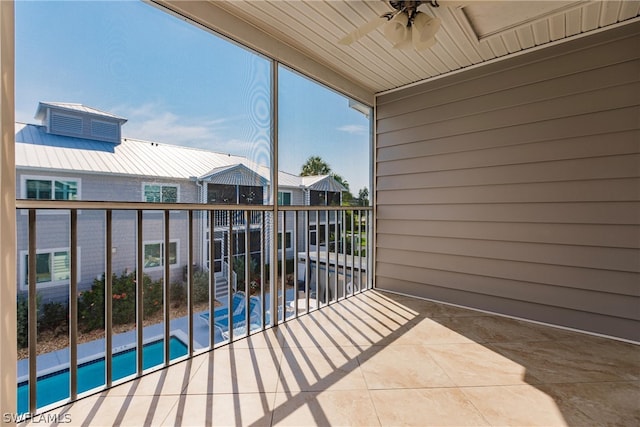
(146, 206)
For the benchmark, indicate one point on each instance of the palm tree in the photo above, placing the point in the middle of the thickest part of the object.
(315, 166)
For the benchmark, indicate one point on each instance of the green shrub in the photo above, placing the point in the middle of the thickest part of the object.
(23, 322)
(152, 296)
(91, 302)
(54, 317)
(23, 319)
(91, 307)
(200, 286)
(178, 294)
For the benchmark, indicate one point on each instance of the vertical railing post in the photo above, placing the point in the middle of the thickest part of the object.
(190, 281)
(108, 300)
(336, 268)
(166, 295)
(247, 269)
(327, 224)
(307, 254)
(33, 313)
(283, 264)
(139, 294)
(230, 275)
(360, 250)
(212, 278)
(294, 242)
(318, 295)
(262, 263)
(73, 306)
(353, 271)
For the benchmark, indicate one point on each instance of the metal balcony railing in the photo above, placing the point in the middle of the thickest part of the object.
(308, 258)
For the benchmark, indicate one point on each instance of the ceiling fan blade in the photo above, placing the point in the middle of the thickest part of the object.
(362, 31)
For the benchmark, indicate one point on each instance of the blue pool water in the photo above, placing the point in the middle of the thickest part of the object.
(54, 387)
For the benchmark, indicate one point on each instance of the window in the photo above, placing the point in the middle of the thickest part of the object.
(324, 198)
(317, 198)
(154, 254)
(160, 193)
(51, 189)
(53, 268)
(239, 243)
(221, 193)
(284, 198)
(234, 194)
(312, 235)
(287, 238)
(250, 195)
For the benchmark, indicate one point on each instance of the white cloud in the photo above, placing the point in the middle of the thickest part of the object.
(153, 122)
(150, 122)
(354, 129)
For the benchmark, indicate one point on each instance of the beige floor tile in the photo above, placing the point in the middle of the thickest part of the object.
(244, 370)
(268, 338)
(488, 329)
(310, 331)
(336, 408)
(425, 407)
(164, 381)
(571, 361)
(477, 365)
(622, 356)
(601, 404)
(435, 331)
(381, 310)
(520, 405)
(100, 410)
(432, 309)
(401, 367)
(388, 321)
(321, 368)
(222, 410)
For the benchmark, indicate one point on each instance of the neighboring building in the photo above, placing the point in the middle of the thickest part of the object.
(77, 153)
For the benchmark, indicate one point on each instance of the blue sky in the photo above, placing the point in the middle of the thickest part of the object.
(179, 84)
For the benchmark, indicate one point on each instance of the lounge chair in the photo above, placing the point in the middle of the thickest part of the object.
(238, 301)
(239, 319)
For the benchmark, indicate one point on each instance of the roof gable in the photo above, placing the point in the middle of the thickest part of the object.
(237, 174)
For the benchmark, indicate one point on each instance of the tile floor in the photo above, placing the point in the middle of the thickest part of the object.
(382, 359)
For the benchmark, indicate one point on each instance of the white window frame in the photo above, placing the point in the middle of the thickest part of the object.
(290, 235)
(161, 185)
(161, 242)
(290, 197)
(53, 179)
(24, 286)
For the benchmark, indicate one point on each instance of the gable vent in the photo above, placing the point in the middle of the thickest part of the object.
(104, 130)
(62, 123)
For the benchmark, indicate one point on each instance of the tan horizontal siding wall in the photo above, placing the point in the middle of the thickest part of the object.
(515, 187)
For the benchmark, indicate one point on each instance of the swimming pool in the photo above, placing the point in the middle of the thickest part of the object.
(54, 387)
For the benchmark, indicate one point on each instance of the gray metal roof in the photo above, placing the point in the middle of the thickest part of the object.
(42, 106)
(37, 149)
(237, 174)
(322, 183)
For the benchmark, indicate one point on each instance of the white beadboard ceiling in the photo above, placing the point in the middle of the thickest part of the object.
(472, 32)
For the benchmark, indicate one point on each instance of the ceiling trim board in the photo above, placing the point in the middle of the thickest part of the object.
(624, 29)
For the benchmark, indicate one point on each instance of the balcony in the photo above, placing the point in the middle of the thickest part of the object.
(88, 323)
(377, 358)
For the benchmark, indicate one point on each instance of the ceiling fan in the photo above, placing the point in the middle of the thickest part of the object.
(405, 26)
